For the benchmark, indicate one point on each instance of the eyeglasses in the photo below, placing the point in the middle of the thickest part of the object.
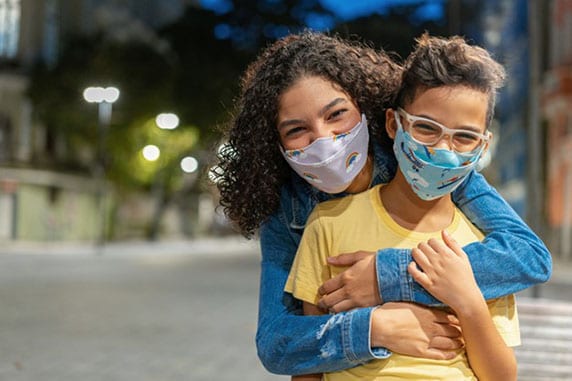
(428, 132)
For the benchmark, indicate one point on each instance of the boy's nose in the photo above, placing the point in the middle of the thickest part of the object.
(446, 142)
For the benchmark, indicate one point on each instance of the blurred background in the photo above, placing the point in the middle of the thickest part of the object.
(110, 116)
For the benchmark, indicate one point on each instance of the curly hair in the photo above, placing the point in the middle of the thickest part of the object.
(251, 170)
(438, 61)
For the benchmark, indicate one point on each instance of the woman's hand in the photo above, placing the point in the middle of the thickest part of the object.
(415, 330)
(354, 287)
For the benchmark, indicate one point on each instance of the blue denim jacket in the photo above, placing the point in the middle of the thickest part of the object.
(510, 259)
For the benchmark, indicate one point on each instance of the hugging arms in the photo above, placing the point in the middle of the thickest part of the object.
(259, 190)
(510, 259)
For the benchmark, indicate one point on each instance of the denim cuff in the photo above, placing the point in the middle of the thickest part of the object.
(356, 345)
(394, 282)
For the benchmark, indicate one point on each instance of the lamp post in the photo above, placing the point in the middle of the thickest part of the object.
(152, 152)
(104, 97)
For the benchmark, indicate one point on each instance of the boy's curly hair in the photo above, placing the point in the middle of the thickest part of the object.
(439, 61)
(251, 170)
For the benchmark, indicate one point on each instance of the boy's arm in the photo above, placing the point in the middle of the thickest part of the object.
(444, 270)
(511, 258)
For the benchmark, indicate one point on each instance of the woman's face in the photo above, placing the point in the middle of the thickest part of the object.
(313, 108)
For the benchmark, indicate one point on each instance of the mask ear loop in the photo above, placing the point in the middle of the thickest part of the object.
(486, 155)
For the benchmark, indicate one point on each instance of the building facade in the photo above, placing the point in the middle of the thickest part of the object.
(39, 202)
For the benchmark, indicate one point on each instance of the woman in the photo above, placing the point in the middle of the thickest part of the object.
(261, 190)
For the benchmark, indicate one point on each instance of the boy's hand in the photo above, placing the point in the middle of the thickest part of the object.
(444, 270)
(355, 287)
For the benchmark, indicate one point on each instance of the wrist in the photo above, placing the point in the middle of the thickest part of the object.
(378, 328)
(471, 308)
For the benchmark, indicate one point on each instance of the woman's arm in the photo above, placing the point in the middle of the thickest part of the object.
(287, 341)
(444, 270)
(310, 310)
(290, 343)
(511, 258)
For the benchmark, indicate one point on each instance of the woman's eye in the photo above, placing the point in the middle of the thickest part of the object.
(294, 131)
(337, 113)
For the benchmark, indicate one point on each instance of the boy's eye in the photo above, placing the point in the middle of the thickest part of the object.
(465, 136)
(427, 128)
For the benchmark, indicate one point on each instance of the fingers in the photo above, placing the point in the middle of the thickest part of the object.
(448, 330)
(452, 243)
(417, 274)
(348, 259)
(443, 317)
(446, 343)
(331, 285)
(436, 354)
(331, 299)
(344, 305)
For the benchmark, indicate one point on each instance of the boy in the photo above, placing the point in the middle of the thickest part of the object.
(440, 131)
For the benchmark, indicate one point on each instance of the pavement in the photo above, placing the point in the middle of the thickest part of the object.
(162, 311)
(166, 311)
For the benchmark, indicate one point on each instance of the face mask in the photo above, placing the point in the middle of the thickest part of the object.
(332, 163)
(432, 172)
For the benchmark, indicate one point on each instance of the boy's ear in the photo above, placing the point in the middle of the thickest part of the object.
(390, 123)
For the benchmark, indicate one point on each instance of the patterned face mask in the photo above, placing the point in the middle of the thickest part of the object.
(432, 172)
(332, 163)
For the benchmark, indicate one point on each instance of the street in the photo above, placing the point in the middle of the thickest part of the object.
(123, 316)
(184, 311)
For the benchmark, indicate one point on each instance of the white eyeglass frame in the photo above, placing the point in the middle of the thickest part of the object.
(444, 130)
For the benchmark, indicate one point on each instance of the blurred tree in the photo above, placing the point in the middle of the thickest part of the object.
(214, 48)
(144, 77)
(191, 67)
(395, 31)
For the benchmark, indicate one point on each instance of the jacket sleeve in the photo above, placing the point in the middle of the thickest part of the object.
(511, 258)
(289, 342)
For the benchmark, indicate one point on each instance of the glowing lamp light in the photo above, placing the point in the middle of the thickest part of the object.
(189, 164)
(101, 94)
(167, 121)
(151, 152)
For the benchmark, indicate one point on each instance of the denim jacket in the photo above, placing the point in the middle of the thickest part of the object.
(511, 258)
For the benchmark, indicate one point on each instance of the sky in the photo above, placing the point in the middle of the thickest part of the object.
(348, 10)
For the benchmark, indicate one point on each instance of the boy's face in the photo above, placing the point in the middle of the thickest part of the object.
(455, 107)
(441, 139)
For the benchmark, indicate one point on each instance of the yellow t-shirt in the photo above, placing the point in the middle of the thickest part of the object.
(360, 222)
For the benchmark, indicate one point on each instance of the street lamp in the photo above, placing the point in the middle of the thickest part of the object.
(189, 164)
(104, 97)
(151, 152)
(167, 121)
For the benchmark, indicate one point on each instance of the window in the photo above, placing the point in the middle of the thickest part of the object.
(10, 12)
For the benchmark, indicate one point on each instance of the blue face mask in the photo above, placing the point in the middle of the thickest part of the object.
(432, 172)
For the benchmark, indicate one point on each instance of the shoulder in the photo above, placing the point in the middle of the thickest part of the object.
(465, 228)
(343, 207)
